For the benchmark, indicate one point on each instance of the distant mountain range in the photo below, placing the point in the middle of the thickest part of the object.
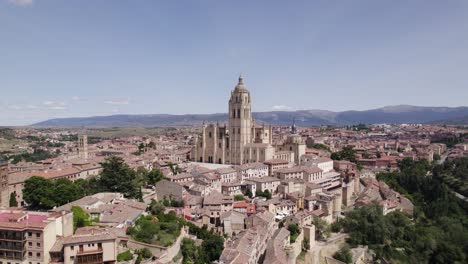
(463, 120)
(390, 114)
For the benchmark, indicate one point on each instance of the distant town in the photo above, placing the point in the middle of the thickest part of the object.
(235, 192)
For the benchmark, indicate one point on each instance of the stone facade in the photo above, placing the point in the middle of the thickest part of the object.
(242, 141)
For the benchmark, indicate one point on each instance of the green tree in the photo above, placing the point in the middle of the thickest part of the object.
(154, 176)
(117, 176)
(347, 153)
(152, 145)
(80, 217)
(38, 193)
(145, 253)
(322, 228)
(13, 201)
(321, 146)
(174, 168)
(139, 259)
(248, 193)
(265, 194)
(125, 256)
(156, 207)
(344, 255)
(294, 231)
(65, 191)
(212, 247)
(239, 197)
(189, 251)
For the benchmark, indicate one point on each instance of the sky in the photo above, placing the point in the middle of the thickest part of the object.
(63, 58)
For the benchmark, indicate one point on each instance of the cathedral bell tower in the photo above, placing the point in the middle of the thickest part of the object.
(240, 122)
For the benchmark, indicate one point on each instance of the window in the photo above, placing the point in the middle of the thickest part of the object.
(38, 234)
(30, 234)
(209, 134)
(38, 254)
(238, 113)
(38, 244)
(72, 247)
(30, 244)
(30, 254)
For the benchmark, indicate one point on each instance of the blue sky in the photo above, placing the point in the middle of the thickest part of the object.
(63, 58)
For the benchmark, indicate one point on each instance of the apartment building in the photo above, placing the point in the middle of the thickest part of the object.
(27, 237)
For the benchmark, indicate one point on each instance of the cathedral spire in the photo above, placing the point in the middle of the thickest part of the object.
(241, 80)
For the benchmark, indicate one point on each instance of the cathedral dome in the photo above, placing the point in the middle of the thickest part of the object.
(240, 85)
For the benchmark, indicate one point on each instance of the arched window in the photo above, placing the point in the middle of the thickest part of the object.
(238, 113)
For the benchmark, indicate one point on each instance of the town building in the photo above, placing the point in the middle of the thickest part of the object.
(27, 237)
(87, 245)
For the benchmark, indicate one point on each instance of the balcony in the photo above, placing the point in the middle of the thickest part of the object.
(12, 237)
(12, 248)
(11, 255)
(89, 258)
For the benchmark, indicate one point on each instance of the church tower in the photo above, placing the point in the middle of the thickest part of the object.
(83, 147)
(240, 122)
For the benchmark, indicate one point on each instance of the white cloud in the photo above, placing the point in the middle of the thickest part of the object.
(281, 107)
(76, 98)
(57, 107)
(117, 102)
(21, 2)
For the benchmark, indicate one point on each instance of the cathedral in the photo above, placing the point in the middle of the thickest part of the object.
(242, 140)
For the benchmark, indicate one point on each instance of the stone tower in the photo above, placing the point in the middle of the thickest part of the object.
(240, 122)
(83, 147)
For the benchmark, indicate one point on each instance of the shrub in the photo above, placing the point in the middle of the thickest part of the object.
(145, 253)
(125, 256)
